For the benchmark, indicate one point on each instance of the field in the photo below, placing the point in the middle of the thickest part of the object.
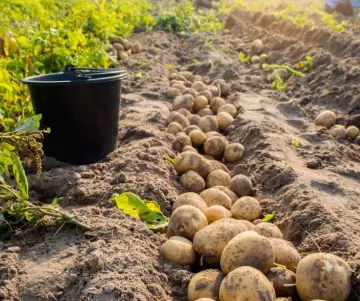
(298, 170)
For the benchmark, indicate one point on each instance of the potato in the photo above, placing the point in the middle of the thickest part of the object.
(190, 198)
(268, 230)
(246, 284)
(194, 119)
(224, 120)
(257, 47)
(186, 221)
(214, 196)
(179, 118)
(227, 191)
(255, 59)
(208, 124)
(285, 253)
(218, 178)
(207, 94)
(186, 74)
(176, 82)
(212, 134)
(173, 76)
(195, 78)
(205, 299)
(205, 112)
(247, 208)
(224, 87)
(189, 148)
(192, 181)
(173, 92)
(234, 152)
(135, 47)
(180, 142)
(192, 161)
(263, 58)
(248, 249)
(123, 56)
(249, 225)
(215, 146)
(326, 119)
(228, 108)
(179, 250)
(323, 276)
(174, 128)
(210, 241)
(205, 284)
(184, 112)
(198, 86)
(280, 276)
(290, 299)
(338, 131)
(283, 73)
(214, 91)
(215, 213)
(257, 221)
(191, 128)
(200, 102)
(197, 137)
(185, 101)
(190, 91)
(119, 47)
(216, 103)
(126, 44)
(352, 131)
(241, 185)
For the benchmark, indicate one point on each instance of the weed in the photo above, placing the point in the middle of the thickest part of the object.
(307, 65)
(243, 58)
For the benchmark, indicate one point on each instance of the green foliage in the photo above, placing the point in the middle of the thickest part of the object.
(170, 160)
(332, 23)
(269, 217)
(244, 58)
(307, 65)
(279, 84)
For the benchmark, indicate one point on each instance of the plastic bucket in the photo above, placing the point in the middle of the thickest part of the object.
(81, 107)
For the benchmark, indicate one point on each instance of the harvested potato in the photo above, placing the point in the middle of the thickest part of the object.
(228, 108)
(352, 131)
(205, 112)
(198, 86)
(257, 221)
(255, 59)
(181, 78)
(173, 92)
(285, 253)
(208, 124)
(126, 44)
(212, 134)
(280, 276)
(224, 120)
(207, 94)
(210, 241)
(263, 58)
(241, 185)
(205, 299)
(326, 119)
(186, 221)
(179, 250)
(195, 78)
(214, 91)
(246, 208)
(248, 249)
(194, 119)
(186, 74)
(176, 82)
(197, 137)
(188, 85)
(323, 276)
(218, 178)
(179, 118)
(192, 161)
(216, 103)
(338, 131)
(249, 225)
(173, 76)
(234, 152)
(246, 284)
(190, 91)
(192, 181)
(224, 87)
(213, 196)
(189, 148)
(184, 112)
(205, 284)
(200, 102)
(191, 128)
(268, 230)
(215, 146)
(283, 73)
(180, 142)
(123, 56)
(174, 128)
(135, 47)
(257, 47)
(184, 101)
(190, 198)
(119, 47)
(227, 191)
(290, 299)
(215, 213)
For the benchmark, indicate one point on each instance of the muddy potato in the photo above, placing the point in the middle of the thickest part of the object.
(192, 199)
(214, 91)
(228, 192)
(212, 134)
(208, 124)
(184, 101)
(248, 249)
(189, 148)
(338, 132)
(186, 221)
(184, 112)
(257, 47)
(207, 94)
(216, 103)
(173, 92)
(224, 120)
(257, 221)
(268, 230)
(325, 118)
(198, 86)
(352, 131)
(205, 284)
(180, 142)
(123, 56)
(215, 146)
(176, 82)
(197, 137)
(228, 108)
(210, 241)
(218, 178)
(248, 225)
(186, 74)
(224, 87)
(192, 161)
(234, 152)
(200, 102)
(126, 44)
(205, 112)
(191, 92)
(179, 250)
(241, 185)
(135, 47)
(192, 181)
(173, 76)
(285, 253)
(263, 58)
(283, 73)
(247, 208)
(246, 284)
(174, 128)
(217, 165)
(255, 59)
(191, 128)
(195, 78)
(205, 299)
(179, 118)
(214, 196)
(215, 213)
(323, 276)
(280, 276)
(194, 119)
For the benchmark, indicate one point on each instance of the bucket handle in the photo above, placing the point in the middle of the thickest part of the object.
(78, 73)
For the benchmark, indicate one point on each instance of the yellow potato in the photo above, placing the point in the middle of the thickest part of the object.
(176, 82)
(173, 76)
(257, 221)
(246, 284)
(186, 74)
(215, 146)
(179, 250)
(207, 94)
(326, 119)
(186, 221)
(257, 47)
(184, 101)
(200, 102)
(216, 165)
(352, 131)
(197, 137)
(214, 196)
(255, 59)
(190, 91)
(216, 103)
(190, 198)
(191, 128)
(189, 148)
(205, 284)
(218, 178)
(208, 124)
(174, 128)
(192, 161)
(228, 108)
(179, 118)
(173, 92)
(180, 142)
(210, 241)
(338, 132)
(184, 112)
(263, 58)
(247, 208)
(234, 152)
(212, 134)
(123, 56)
(249, 225)
(192, 181)
(268, 230)
(194, 119)
(241, 185)
(179, 87)
(280, 277)
(215, 213)
(135, 47)
(224, 87)
(285, 253)
(214, 91)
(198, 86)
(205, 112)
(323, 276)
(195, 78)
(224, 120)
(248, 249)
(227, 191)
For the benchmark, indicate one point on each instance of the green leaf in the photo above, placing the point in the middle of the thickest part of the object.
(170, 160)
(169, 66)
(54, 202)
(279, 265)
(297, 143)
(29, 124)
(269, 217)
(139, 75)
(20, 176)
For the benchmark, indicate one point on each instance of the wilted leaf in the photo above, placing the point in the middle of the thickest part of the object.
(20, 176)
(170, 160)
(29, 124)
(269, 217)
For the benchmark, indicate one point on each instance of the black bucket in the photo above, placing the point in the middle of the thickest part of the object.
(81, 108)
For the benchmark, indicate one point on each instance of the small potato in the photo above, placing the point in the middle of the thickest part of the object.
(174, 128)
(249, 225)
(123, 56)
(246, 208)
(200, 102)
(179, 118)
(263, 58)
(227, 191)
(352, 131)
(212, 134)
(215, 146)
(224, 120)
(241, 185)
(224, 87)
(248, 249)
(197, 137)
(189, 148)
(215, 213)
(205, 112)
(338, 132)
(186, 221)
(135, 47)
(283, 73)
(173, 92)
(216, 103)
(179, 250)
(191, 92)
(323, 276)
(234, 152)
(176, 82)
(205, 284)
(257, 47)
(190, 198)
(280, 276)
(180, 142)
(214, 91)
(173, 76)
(119, 47)
(214, 196)
(184, 112)
(194, 119)
(192, 161)
(228, 108)
(185, 101)
(191, 128)
(326, 119)
(218, 178)
(192, 181)
(208, 124)
(126, 44)
(186, 74)
(198, 86)
(207, 94)
(257, 221)
(195, 78)
(255, 59)
(268, 230)
(217, 165)
(210, 241)
(285, 253)
(246, 284)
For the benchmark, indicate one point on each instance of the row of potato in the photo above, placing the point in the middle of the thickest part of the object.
(120, 48)
(217, 222)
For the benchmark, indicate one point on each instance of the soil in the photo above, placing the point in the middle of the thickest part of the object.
(313, 187)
